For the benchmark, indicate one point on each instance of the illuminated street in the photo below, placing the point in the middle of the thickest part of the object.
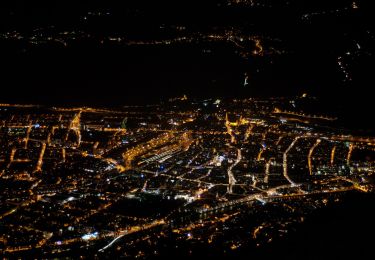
(170, 173)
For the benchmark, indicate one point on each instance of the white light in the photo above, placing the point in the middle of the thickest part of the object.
(90, 236)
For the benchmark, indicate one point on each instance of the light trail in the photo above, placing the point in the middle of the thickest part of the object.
(351, 148)
(277, 111)
(267, 171)
(261, 151)
(333, 155)
(48, 138)
(63, 154)
(205, 176)
(132, 230)
(285, 161)
(27, 135)
(309, 160)
(272, 194)
(40, 160)
(144, 186)
(229, 129)
(11, 158)
(231, 180)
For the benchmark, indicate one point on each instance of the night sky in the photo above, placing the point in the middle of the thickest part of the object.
(88, 72)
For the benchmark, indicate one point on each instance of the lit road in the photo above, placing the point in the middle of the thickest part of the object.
(231, 179)
(271, 194)
(285, 161)
(133, 230)
(309, 157)
(333, 155)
